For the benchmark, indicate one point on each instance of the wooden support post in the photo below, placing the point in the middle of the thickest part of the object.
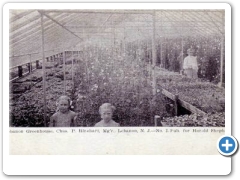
(157, 121)
(182, 54)
(20, 71)
(161, 38)
(124, 41)
(30, 60)
(29, 67)
(44, 74)
(87, 70)
(64, 72)
(72, 65)
(176, 105)
(154, 56)
(182, 45)
(37, 64)
(161, 57)
(112, 40)
(152, 68)
(60, 58)
(113, 46)
(221, 61)
(222, 50)
(138, 50)
(78, 56)
(97, 53)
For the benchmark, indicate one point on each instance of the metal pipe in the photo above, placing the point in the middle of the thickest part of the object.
(221, 62)
(72, 65)
(154, 57)
(64, 72)
(44, 74)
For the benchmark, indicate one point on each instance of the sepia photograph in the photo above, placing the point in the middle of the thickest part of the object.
(117, 68)
(137, 87)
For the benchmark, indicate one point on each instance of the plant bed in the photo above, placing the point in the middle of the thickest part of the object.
(27, 109)
(195, 120)
(203, 95)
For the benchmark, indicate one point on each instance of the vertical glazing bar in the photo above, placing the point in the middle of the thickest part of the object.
(64, 71)
(222, 51)
(44, 74)
(154, 57)
(30, 60)
(176, 105)
(221, 62)
(124, 51)
(72, 65)
(182, 43)
(161, 39)
(124, 40)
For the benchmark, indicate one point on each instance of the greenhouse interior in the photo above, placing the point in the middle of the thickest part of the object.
(132, 59)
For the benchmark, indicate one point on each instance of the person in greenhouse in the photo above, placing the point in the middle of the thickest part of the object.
(190, 66)
(64, 117)
(106, 111)
(180, 62)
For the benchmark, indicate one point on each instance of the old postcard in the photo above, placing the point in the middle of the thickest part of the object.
(89, 79)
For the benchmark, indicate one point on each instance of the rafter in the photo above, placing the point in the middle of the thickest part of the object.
(20, 15)
(59, 24)
(102, 11)
(16, 27)
(64, 26)
(219, 29)
(26, 29)
(34, 31)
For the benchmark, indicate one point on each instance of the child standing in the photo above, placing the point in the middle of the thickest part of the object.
(64, 117)
(106, 111)
(190, 65)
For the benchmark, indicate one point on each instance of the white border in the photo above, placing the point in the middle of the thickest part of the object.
(129, 165)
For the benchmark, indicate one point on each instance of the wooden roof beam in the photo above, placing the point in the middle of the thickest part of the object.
(42, 12)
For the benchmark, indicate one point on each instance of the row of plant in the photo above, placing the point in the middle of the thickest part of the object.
(27, 108)
(195, 120)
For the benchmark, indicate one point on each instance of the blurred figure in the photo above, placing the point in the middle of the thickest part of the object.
(180, 62)
(190, 66)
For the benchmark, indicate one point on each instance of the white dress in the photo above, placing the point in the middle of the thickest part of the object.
(190, 66)
(111, 123)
